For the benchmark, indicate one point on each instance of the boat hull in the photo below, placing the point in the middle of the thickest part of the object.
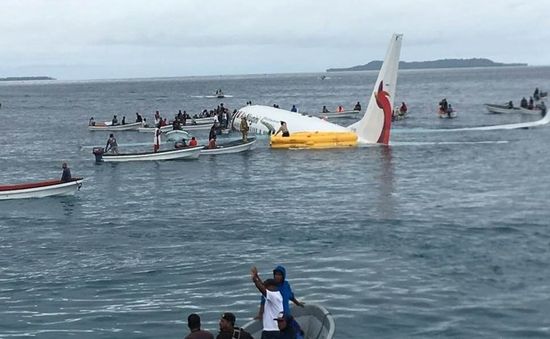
(231, 147)
(315, 140)
(340, 115)
(501, 109)
(188, 127)
(40, 189)
(125, 127)
(176, 154)
(315, 321)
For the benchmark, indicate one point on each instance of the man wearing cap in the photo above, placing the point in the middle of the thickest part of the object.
(228, 329)
(194, 323)
(287, 331)
(273, 304)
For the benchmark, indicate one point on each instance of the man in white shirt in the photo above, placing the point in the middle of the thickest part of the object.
(273, 304)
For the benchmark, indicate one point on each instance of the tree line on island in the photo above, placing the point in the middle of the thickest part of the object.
(26, 78)
(440, 63)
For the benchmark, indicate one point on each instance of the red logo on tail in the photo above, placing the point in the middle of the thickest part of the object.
(383, 102)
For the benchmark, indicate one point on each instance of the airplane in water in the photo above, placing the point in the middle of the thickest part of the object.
(313, 132)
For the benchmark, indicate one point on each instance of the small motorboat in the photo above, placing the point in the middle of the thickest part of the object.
(109, 127)
(235, 146)
(314, 320)
(176, 135)
(173, 154)
(40, 189)
(505, 109)
(339, 115)
(188, 127)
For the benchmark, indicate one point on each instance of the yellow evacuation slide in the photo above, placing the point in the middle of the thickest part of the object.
(315, 140)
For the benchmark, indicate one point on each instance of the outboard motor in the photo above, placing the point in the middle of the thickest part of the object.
(98, 152)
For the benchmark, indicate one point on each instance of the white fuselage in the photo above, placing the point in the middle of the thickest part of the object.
(267, 120)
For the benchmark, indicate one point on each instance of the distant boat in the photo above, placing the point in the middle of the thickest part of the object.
(339, 115)
(109, 127)
(504, 109)
(315, 321)
(40, 189)
(235, 146)
(173, 154)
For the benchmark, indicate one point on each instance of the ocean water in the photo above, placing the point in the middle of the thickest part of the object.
(438, 235)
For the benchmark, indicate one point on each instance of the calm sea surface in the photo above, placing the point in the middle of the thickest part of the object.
(439, 235)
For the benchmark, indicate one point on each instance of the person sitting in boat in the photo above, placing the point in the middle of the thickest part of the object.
(294, 109)
(124, 120)
(536, 94)
(340, 109)
(443, 105)
(176, 125)
(228, 329)
(194, 324)
(283, 129)
(112, 145)
(325, 109)
(114, 122)
(450, 111)
(542, 107)
(180, 144)
(357, 106)
(91, 122)
(531, 104)
(66, 176)
(510, 104)
(403, 108)
(212, 143)
(286, 331)
(523, 103)
(193, 142)
(139, 118)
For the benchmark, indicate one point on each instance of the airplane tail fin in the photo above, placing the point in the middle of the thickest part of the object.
(375, 125)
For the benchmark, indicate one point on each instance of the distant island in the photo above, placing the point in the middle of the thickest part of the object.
(441, 63)
(25, 78)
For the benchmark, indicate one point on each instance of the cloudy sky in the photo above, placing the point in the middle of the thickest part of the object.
(102, 39)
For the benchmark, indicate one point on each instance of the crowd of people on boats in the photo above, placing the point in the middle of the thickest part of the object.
(274, 312)
(534, 103)
(340, 108)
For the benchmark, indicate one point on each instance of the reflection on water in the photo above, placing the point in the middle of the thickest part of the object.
(386, 202)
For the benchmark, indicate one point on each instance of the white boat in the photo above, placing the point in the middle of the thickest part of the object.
(451, 115)
(235, 146)
(40, 189)
(504, 109)
(338, 115)
(108, 127)
(176, 135)
(199, 121)
(173, 154)
(188, 127)
(315, 321)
